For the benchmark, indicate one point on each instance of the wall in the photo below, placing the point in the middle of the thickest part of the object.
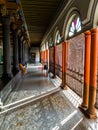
(75, 68)
(86, 12)
(36, 51)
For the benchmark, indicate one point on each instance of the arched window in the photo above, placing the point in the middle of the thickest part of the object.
(75, 26)
(57, 38)
(51, 44)
(47, 45)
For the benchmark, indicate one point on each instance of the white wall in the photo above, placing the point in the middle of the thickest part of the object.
(36, 51)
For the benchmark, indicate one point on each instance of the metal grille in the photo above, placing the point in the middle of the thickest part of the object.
(75, 71)
(75, 81)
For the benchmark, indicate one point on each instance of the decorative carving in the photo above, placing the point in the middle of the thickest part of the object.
(3, 10)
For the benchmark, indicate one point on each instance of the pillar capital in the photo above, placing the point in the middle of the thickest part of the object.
(88, 32)
(94, 30)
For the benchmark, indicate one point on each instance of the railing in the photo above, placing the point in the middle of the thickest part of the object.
(75, 81)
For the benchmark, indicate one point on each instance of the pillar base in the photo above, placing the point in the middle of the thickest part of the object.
(83, 109)
(86, 113)
(15, 71)
(6, 77)
(83, 106)
(53, 77)
(90, 116)
(64, 87)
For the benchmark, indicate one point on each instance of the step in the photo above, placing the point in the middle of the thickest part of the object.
(73, 122)
(25, 101)
(81, 126)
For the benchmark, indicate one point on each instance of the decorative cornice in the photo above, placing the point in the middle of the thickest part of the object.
(51, 27)
(89, 12)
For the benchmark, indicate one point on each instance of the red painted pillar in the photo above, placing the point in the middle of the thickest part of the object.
(86, 69)
(91, 111)
(64, 63)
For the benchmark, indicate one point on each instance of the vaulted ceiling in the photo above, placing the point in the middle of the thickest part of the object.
(38, 15)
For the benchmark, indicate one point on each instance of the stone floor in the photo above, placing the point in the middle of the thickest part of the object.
(47, 113)
(32, 84)
(56, 111)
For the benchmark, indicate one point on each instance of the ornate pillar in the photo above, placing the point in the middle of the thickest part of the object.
(15, 52)
(20, 49)
(86, 69)
(91, 111)
(7, 74)
(64, 63)
(23, 53)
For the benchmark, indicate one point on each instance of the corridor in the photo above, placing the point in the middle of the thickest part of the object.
(38, 103)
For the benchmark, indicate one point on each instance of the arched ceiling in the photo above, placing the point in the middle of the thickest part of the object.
(38, 15)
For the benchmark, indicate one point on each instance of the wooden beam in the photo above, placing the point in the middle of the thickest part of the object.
(2, 1)
(11, 5)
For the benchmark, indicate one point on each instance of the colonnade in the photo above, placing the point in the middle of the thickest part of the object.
(18, 48)
(90, 71)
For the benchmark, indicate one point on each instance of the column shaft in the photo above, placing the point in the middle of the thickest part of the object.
(64, 63)
(23, 53)
(91, 111)
(20, 49)
(86, 69)
(54, 62)
(7, 74)
(15, 52)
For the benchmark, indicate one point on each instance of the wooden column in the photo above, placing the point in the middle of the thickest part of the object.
(86, 69)
(64, 63)
(91, 111)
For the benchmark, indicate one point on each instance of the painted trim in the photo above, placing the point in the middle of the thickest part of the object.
(89, 12)
(62, 12)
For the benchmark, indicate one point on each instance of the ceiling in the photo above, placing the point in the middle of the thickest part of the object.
(38, 15)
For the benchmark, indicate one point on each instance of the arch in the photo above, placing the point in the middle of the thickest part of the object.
(51, 43)
(56, 29)
(95, 22)
(47, 46)
(57, 37)
(75, 26)
(70, 15)
(44, 47)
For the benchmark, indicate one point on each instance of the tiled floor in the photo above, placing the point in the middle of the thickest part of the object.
(56, 111)
(32, 84)
(47, 113)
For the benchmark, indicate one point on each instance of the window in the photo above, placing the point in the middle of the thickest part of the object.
(75, 26)
(51, 43)
(57, 38)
